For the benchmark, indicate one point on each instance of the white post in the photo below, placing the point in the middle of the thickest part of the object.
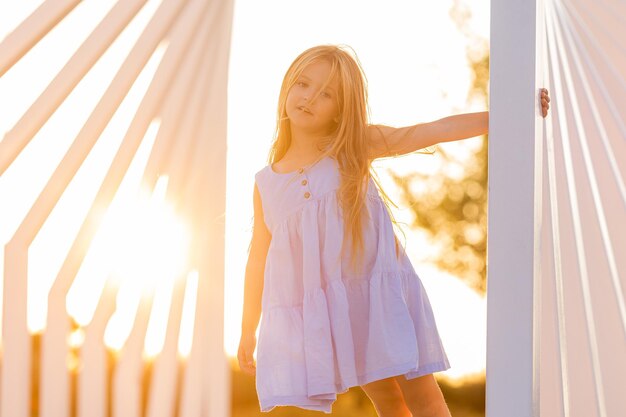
(515, 149)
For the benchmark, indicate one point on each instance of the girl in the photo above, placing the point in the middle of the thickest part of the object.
(342, 305)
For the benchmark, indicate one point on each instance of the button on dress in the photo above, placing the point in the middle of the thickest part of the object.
(325, 328)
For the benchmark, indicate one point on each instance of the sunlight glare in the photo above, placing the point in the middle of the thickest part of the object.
(76, 338)
(148, 241)
(146, 246)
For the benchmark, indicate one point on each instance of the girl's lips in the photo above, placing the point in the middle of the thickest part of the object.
(304, 109)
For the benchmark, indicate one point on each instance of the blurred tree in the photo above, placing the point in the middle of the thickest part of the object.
(454, 210)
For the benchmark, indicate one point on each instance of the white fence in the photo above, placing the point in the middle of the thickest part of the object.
(65, 368)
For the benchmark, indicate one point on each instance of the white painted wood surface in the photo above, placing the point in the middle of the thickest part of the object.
(557, 331)
(93, 386)
(514, 210)
(128, 374)
(191, 78)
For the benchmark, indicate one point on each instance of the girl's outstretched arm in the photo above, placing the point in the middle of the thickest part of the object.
(385, 141)
(390, 141)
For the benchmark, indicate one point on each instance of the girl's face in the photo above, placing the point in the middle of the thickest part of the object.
(312, 102)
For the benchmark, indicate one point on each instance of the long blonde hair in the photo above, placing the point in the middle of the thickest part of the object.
(347, 143)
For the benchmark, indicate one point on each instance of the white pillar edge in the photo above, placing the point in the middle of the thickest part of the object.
(514, 225)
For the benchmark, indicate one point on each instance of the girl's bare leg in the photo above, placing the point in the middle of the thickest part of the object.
(387, 398)
(423, 396)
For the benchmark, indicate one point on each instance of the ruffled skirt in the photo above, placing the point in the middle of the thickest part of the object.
(328, 330)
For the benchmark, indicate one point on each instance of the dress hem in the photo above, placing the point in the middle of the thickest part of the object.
(324, 402)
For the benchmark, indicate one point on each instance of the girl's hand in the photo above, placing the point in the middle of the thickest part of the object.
(245, 351)
(544, 102)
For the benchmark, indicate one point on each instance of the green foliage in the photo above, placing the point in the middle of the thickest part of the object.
(454, 211)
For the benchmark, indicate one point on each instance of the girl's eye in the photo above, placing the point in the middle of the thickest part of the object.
(325, 94)
(301, 84)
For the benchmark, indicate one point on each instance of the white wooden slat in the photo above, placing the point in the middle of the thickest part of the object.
(585, 140)
(217, 369)
(127, 395)
(173, 41)
(54, 346)
(554, 358)
(596, 126)
(16, 340)
(96, 44)
(164, 378)
(599, 201)
(202, 384)
(175, 108)
(130, 143)
(54, 378)
(163, 392)
(93, 382)
(194, 387)
(191, 384)
(581, 255)
(32, 30)
(184, 28)
(574, 46)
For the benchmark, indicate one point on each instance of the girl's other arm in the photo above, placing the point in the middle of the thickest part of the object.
(253, 288)
(389, 141)
(255, 268)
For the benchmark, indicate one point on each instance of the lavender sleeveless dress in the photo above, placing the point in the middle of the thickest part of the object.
(323, 328)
